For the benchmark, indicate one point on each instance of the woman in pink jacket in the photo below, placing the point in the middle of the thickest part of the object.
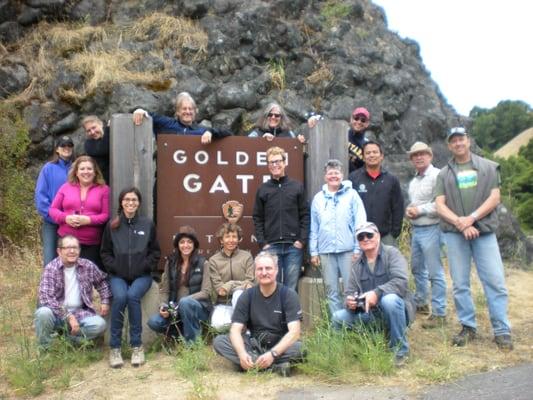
(81, 207)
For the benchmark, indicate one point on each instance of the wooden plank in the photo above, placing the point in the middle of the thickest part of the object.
(131, 160)
(327, 140)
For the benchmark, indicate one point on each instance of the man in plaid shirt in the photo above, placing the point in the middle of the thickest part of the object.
(65, 296)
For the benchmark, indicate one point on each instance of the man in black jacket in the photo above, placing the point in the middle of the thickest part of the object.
(281, 218)
(380, 192)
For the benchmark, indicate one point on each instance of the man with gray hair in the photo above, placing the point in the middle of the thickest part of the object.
(425, 239)
(266, 323)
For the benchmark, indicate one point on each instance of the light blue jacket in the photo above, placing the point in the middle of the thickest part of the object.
(334, 219)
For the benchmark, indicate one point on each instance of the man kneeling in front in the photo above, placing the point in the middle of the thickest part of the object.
(66, 296)
(271, 314)
(377, 291)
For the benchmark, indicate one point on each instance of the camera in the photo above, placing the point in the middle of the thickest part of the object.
(172, 309)
(360, 302)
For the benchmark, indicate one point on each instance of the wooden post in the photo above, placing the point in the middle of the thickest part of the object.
(327, 140)
(131, 159)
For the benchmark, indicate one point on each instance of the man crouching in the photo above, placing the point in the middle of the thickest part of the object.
(272, 314)
(377, 291)
(66, 296)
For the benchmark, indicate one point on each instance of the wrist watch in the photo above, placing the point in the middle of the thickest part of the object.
(474, 215)
(274, 354)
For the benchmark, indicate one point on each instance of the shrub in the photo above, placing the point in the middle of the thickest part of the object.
(18, 220)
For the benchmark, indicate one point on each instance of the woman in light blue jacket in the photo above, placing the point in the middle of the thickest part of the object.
(336, 212)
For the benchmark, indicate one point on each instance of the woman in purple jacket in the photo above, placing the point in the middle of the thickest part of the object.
(81, 207)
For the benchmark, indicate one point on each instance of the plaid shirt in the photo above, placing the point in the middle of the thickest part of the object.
(52, 288)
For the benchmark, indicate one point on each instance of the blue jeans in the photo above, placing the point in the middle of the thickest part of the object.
(427, 267)
(191, 314)
(131, 296)
(49, 241)
(46, 323)
(391, 310)
(290, 261)
(485, 252)
(335, 265)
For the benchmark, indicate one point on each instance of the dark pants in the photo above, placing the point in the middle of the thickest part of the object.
(223, 346)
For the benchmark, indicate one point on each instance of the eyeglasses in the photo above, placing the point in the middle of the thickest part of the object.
(274, 115)
(459, 129)
(365, 235)
(66, 145)
(75, 248)
(359, 118)
(276, 162)
(130, 200)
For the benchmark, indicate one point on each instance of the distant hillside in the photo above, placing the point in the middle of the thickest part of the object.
(512, 147)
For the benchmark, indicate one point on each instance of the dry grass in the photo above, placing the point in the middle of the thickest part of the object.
(276, 70)
(171, 32)
(322, 75)
(512, 147)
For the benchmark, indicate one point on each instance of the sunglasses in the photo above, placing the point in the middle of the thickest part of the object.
(365, 235)
(274, 115)
(460, 130)
(359, 118)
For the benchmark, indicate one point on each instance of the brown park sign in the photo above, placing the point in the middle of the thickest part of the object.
(195, 182)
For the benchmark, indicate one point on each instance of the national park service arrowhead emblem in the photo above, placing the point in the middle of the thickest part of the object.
(232, 211)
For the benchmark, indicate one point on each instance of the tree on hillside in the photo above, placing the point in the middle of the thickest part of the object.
(494, 127)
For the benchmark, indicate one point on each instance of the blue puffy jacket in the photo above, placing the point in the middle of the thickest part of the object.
(334, 219)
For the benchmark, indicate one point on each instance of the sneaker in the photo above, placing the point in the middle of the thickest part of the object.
(400, 360)
(137, 356)
(424, 309)
(504, 342)
(282, 369)
(115, 358)
(434, 321)
(466, 335)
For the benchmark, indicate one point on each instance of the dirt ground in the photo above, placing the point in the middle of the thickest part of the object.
(432, 360)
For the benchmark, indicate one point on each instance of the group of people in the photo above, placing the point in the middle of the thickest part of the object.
(350, 228)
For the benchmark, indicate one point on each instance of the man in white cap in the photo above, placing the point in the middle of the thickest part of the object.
(425, 240)
(467, 196)
(377, 291)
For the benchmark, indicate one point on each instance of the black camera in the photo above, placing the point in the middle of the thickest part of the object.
(360, 302)
(172, 309)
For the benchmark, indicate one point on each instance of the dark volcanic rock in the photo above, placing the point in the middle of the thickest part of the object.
(10, 32)
(13, 79)
(92, 10)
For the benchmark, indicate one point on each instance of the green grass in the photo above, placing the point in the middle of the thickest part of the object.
(193, 362)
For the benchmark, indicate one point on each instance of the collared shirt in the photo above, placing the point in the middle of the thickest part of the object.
(422, 195)
(52, 288)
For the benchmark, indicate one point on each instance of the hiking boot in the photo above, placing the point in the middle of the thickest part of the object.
(282, 369)
(424, 309)
(137, 356)
(466, 335)
(504, 342)
(115, 358)
(434, 321)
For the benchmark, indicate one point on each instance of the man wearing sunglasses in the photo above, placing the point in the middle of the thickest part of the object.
(467, 196)
(377, 291)
(359, 123)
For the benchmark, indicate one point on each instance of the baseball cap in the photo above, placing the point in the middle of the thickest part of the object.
(64, 141)
(418, 147)
(361, 111)
(458, 130)
(367, 227)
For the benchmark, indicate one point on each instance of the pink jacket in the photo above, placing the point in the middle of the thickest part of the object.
(96, 206)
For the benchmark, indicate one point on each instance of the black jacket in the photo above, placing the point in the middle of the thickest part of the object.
(196, 277)
(131, 250)
(281, 212)
(382, 198)
(98, 149)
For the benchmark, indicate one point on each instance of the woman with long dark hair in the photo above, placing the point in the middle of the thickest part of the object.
(130, 252)
(186, 279)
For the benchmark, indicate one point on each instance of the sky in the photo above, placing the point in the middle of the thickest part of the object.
(479, 52)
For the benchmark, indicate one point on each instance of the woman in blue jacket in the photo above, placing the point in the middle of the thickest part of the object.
(52, 175)
(336, 211)
(130, 254)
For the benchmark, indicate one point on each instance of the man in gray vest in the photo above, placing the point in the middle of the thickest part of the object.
(467, 196)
